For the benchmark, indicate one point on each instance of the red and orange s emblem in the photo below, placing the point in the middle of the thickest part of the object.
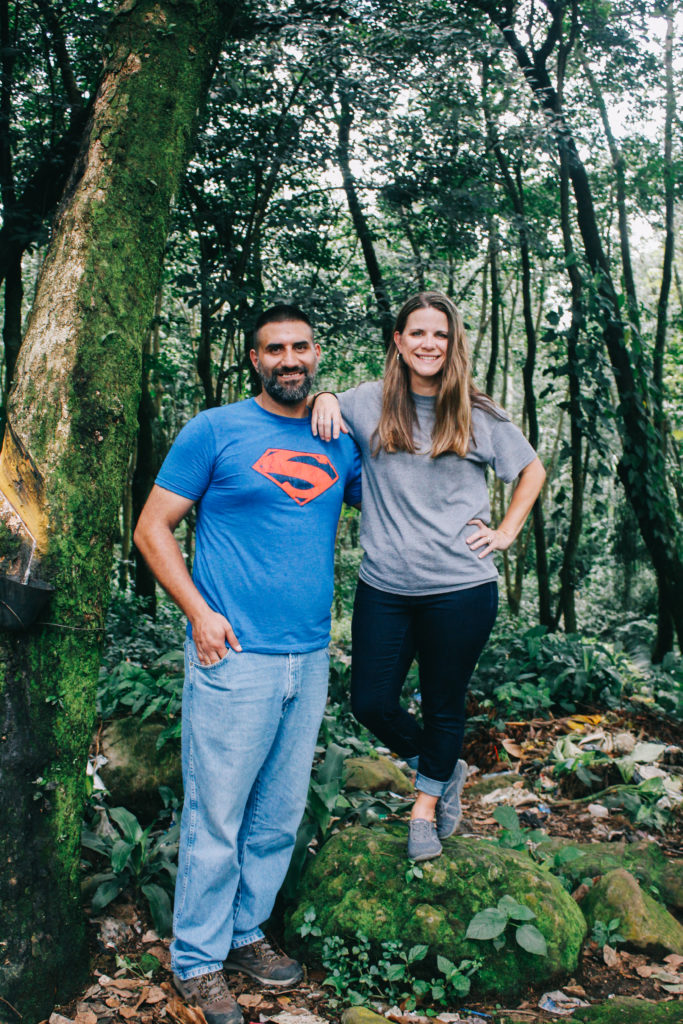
(301, 475)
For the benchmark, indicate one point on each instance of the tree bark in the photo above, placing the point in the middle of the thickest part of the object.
(81, 360)
(642, 468)
(360, 222)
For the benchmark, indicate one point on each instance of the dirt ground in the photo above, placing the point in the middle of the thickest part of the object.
(118, 991)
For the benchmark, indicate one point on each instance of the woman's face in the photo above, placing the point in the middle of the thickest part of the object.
(423, 344)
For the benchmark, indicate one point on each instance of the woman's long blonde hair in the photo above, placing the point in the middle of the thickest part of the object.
(456, 398)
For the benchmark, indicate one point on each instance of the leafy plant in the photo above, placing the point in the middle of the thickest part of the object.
(491, 924)
(607, 934)
(521, 673)
(513, 835)
(156, 690)
(356, 976)
(140, 860)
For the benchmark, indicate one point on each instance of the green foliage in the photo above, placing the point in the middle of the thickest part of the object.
(607, 934)
(513, 836)
(356, 975)
(145, 967)
(139, 861)
(328, 807)
(492, 923)
(522, 674)
(133, 635)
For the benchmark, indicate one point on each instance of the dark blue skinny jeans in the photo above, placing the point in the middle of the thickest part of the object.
(447, 633)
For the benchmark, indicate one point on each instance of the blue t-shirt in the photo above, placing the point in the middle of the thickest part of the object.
(269, 497)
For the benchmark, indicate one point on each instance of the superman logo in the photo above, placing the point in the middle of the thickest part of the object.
(301, 475)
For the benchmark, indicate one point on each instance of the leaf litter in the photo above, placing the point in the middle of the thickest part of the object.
(533, 788)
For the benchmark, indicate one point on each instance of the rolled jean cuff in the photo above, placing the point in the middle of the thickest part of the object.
(247, 940)
(412, 762)
(197, 972)
(432, 787)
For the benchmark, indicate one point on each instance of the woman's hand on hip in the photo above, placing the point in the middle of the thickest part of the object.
(487, 538)
(326, 417)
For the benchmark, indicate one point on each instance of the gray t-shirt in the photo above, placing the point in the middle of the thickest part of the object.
(416, 508)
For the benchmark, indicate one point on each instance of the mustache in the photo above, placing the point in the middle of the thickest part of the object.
(289, 369)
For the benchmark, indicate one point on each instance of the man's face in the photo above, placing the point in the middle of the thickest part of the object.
(286, 360)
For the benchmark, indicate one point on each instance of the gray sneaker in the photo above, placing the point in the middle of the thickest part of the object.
(210, 993)
(260, 961)
(423, 842)
(448, 809)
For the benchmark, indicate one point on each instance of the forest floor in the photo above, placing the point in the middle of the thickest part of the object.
(123, 943)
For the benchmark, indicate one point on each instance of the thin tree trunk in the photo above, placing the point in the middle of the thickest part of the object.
(665, 634)
(360, 222)
(642, 468)
(495, 309)
(81, 359)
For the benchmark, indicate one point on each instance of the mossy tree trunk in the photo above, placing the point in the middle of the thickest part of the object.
(72, 414)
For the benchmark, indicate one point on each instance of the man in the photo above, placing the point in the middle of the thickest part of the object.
(256, 667)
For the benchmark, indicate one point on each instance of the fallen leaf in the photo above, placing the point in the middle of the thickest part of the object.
(574, 990)
(674, 960)
(513, 749)
(675, 989)
(155, 995)
(184, 1014)
(85, 1017)
(667, 976)
(112, 1002)
(143, 997)
(246, 999)
(644, 970)
(580, 891)
(610, 956)
(150, 936)
(128, 1012)
(124, 984)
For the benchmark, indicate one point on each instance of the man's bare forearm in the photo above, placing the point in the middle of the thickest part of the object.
(154, 539)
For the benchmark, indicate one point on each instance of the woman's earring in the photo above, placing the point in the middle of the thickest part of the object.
(398, 357)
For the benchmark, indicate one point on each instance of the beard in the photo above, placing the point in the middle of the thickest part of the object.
(281, 391)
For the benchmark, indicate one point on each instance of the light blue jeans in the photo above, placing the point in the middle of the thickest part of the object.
(250, 725)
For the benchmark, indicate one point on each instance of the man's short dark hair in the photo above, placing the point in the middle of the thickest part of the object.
(277, 315)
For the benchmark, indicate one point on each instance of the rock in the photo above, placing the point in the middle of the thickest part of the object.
(623, 743)
(357, 884)
(487, 783)
(361, 1015)
(645, 924)
(135, 768)
(628, 1010)
(645, 860)
(372, 774)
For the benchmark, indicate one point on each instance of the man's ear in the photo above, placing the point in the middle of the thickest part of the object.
(253, 355)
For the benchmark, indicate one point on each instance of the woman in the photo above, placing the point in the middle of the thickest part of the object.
(427, 582)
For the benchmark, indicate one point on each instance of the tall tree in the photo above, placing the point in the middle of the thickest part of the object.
(81, 358)
(642, 467)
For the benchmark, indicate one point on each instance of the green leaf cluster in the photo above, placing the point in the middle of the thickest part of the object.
(492, 923)
(140, 861)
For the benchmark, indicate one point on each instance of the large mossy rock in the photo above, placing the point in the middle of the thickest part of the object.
(135, 768)
(375, 774)
(627, 1010)
(645, 924)
(357, 884)
(644, 860)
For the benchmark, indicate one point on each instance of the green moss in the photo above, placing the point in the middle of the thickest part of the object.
(48, 700)
(644, 923)
(659, 875)
(10, 544)
(357, 884)
(627, 1010)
